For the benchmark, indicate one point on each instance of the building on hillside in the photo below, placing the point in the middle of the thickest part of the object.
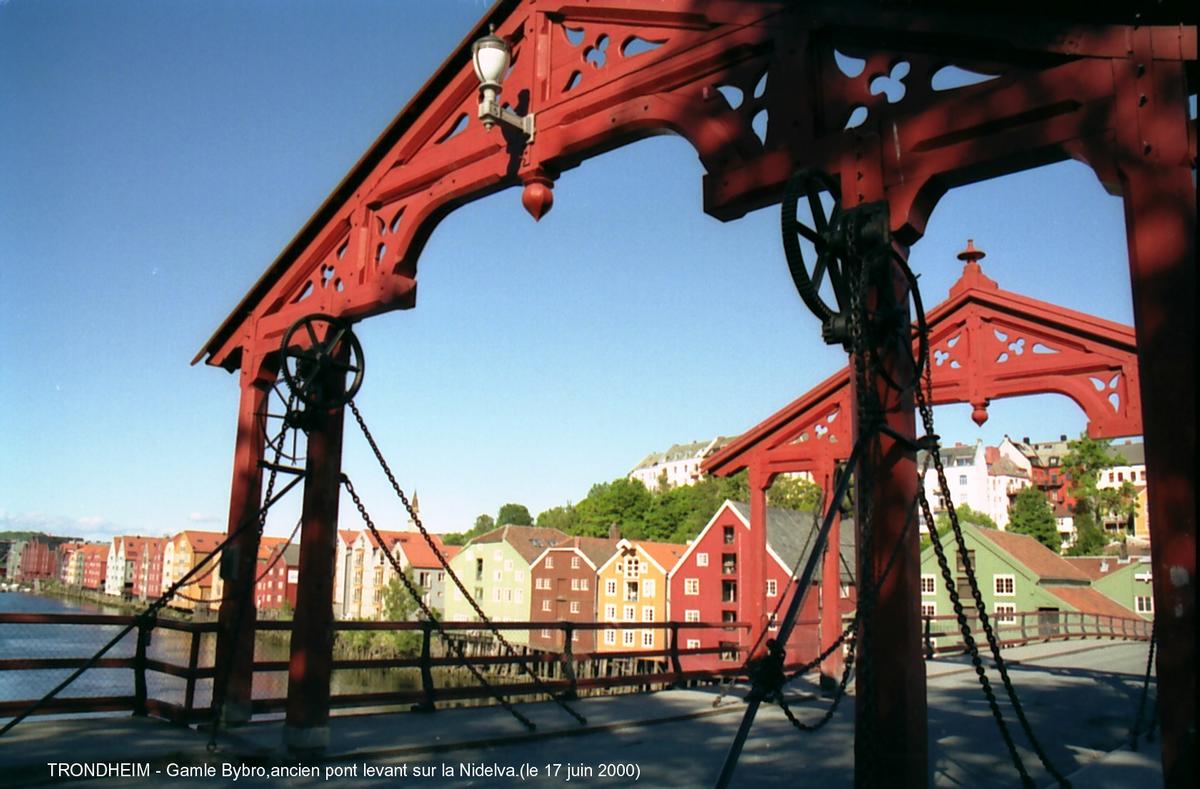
(983, 478)
(495, 569)
(679, 465)
(94, 568)
(182, 552)
(1127, 580)
(564, 590)
(147, 569)
(343, 572)
(1131, 469)
(705, 585)
(367, 571)
(633, 589)
(1016, 573)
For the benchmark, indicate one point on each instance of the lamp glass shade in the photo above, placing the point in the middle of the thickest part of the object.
(490, 59)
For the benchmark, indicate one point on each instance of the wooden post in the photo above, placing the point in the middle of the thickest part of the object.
(676, 666)
(189, 693)
(568, 661)
(427, 705)
(139, 666)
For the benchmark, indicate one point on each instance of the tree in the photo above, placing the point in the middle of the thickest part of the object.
(794, 493)
(483, 525)
(562, 518)
(514, 515)
(399, 606)
(623, 501)
(1031, 514)
(1085, 459)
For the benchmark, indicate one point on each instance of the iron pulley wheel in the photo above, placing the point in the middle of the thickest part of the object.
(283, 422)
(820, 228)
(316, 351)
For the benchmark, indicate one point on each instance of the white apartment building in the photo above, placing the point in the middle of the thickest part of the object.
(679, 465)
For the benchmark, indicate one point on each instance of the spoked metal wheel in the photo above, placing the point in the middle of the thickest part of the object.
(282, 422)
(317, 350)
(811, 241)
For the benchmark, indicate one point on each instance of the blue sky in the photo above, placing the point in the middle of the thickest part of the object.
(155, 157)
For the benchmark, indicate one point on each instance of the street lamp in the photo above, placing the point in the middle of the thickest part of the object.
(490, 57)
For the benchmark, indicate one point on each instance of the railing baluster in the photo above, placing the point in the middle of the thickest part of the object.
(139, 666)
(568, 660)
(189, 692)
(676, 666)
(428, 704)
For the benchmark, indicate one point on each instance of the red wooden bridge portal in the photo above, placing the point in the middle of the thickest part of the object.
(1107, 89)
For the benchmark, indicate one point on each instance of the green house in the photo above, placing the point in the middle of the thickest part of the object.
(495, 569)
(1126, 580)
(1016, 573)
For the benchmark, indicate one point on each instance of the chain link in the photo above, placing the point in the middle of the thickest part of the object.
(427, 613)
(412, 513)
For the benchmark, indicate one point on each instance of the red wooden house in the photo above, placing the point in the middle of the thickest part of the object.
(95, 566)
(564, 590)
(708, 580)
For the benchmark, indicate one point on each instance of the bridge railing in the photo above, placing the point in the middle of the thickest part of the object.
(173, 668)
(1017, 628)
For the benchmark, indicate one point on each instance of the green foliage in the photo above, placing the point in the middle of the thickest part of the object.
(483, 524)
(1084, 461)
(1089, 538)
(454, 538)
(1031, 514)
(562, 518)
(399, 606)
(513, 514)
(666, 514)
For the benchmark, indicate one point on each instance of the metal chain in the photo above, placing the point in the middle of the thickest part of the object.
(1136, 732)
(261, 575)
(429, 615)
(926, 412)
(412, 513)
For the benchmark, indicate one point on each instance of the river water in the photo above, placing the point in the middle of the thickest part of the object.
(82, 641)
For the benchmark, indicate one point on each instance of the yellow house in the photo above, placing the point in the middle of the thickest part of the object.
(183, 552)
(632, 588)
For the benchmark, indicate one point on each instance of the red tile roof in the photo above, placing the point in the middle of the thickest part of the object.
(1089, 601)
(347, 536)
(1045, 563)
(203, 541)
(420, 554)
(665, 553)
(596, 549)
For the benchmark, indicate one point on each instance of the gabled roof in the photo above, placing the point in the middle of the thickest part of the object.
(1096, 567)
(201, 541)
(1003, 467)
(1089, 601)
(791, 533)
(347, 536)
(418, 552)
(1040, 560)
(1133, 454)
(528, 541)
(664, 554)
(597, 550)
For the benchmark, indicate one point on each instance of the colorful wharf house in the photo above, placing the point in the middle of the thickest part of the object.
(1016, 574)
(708, 580)
(633, 589)
(94, 566)
(426, 569)
(564, 590)
(278, 569)
(495, 569)
(183, 552)
(148, 567)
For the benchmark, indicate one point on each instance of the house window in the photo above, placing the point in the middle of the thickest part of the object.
(1006, 613)
(633, 568)
(1143, 604)
(497, 574)
(549, 562)
(691, 615)
(545, 605)
(772, 587)
(728, 591)
(928, 584)
(647, 613)
(610, 612)
(729, 651)
(610, 587)
(1004, 585)
(928, 609)
(574, 584)
(772, 621)
(691, 586)
(728, 535)
(583, 584)
(627, 637)
(495, 594)
(647, 638)
(508, 565)
(519, 575)
(610, 637)
(702, 560)
(574, 562)
(629, 613)
(519, 595)
(574, 635)
(648, 587)
(631, 591)
(545, 633)
(497, 555)
(729, 564)
(693, 643)
(574, 606)
(962, 479)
